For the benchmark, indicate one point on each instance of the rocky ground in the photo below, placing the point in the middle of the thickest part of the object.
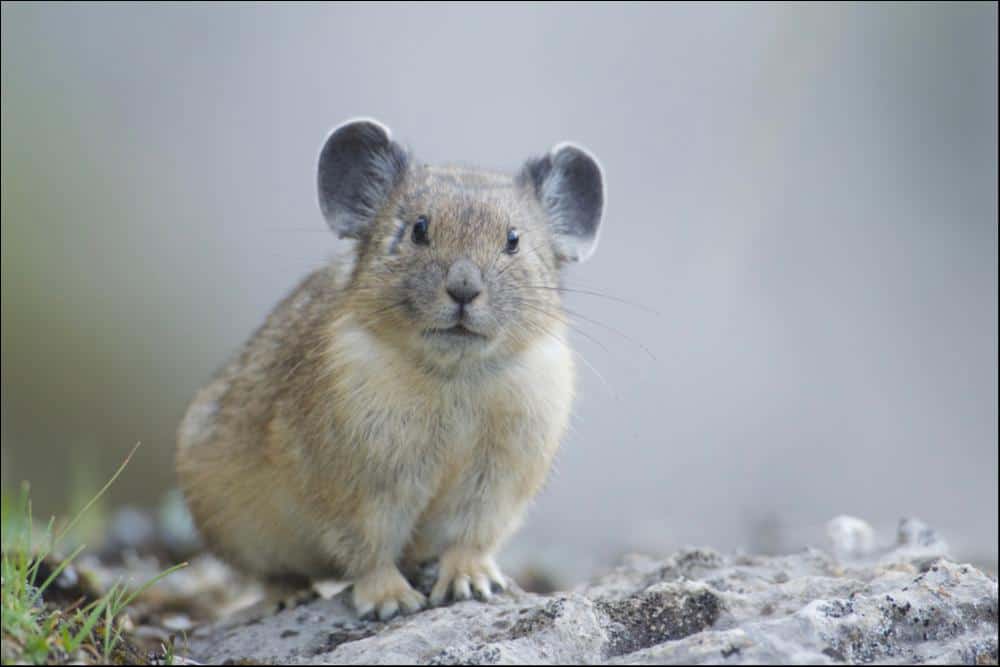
(855, 603)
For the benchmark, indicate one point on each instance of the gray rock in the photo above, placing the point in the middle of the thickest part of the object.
(176, 527)
(906, 604)
(130, 528)
(850, 537)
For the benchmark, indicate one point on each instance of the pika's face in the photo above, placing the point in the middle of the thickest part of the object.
(457, 264)
(463, 266)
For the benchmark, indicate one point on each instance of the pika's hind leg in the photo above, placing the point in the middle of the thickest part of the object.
(288, 592)
(268, 596)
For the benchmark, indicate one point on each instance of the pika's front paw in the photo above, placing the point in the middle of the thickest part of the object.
(385, 593)
(464, 573)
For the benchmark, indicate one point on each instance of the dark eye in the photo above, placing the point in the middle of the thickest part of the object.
(420, 230)
(512, 239)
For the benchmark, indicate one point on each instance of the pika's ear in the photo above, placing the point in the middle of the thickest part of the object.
(359, 167)
(569, 185)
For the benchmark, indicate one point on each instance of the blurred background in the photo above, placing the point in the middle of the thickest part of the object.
(802, 205)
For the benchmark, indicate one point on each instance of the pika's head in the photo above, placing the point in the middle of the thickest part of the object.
(453, 263)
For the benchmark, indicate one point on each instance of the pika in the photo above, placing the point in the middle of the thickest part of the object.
(404, 405)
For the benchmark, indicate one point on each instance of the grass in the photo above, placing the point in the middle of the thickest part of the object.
(38, 632)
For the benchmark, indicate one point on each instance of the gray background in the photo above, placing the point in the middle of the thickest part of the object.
(802, 202)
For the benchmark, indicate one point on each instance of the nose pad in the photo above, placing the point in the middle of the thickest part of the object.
(464, 294)
(464, 282)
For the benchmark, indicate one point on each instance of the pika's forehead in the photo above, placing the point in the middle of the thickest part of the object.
(462, 195)
(462, 178)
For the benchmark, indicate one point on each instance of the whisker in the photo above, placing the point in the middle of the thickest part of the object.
(561, 318)
(551, 310)
(515, 258)
(296, 230)
(597, 294)
(613, 330)
(538, 328)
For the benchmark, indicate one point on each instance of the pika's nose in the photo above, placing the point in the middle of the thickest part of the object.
(464, 281)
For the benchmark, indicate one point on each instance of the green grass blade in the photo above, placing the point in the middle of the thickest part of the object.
(88, 627)
(152, 582)
(93, 500)
(120, 602)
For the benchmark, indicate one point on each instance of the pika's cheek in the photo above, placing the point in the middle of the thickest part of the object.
(410, 307)
(422, 292)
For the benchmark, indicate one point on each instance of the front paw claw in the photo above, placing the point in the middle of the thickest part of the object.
(482, 588)
(463, 575)
(384, 594)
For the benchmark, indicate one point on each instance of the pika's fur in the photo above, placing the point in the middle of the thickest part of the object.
(406, 406)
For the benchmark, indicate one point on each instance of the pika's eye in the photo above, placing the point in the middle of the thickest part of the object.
(512, 239)
(420, 231)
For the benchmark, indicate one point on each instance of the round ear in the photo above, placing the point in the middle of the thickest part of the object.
(359, 168)
(569, 185)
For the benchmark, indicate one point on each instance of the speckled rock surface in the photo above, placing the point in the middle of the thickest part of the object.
(906, 603)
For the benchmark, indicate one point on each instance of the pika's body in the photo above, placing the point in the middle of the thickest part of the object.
(406, 405)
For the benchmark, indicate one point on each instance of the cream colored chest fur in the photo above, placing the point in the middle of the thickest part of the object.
(444, 447)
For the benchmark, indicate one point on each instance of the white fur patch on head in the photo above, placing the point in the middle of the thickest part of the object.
(198, 423)
(393, 240)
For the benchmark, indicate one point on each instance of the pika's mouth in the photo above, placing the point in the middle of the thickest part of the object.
(458, 332)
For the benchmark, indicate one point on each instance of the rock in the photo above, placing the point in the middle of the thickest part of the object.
(850, 537)
(176, 528)
(130, 528)
(904, 605)
(167, 532)
(916, 543)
